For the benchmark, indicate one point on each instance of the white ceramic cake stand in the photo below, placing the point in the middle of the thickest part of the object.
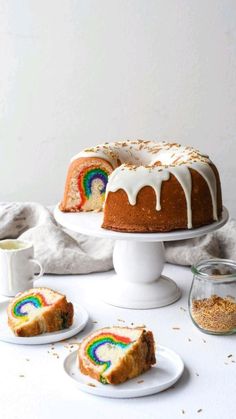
(138, 260)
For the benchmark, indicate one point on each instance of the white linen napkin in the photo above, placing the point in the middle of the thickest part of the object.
(61, 251)
(220, 244)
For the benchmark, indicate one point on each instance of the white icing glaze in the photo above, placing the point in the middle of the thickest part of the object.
(131, 181)
(147, 163)
(140, 152)
(99, 154)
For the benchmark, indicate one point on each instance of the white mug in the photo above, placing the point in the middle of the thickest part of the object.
(17, 267)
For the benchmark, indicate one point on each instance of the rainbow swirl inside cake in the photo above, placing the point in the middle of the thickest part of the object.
(92, 181)
(26, 304)
(104, 348)
(115, 354)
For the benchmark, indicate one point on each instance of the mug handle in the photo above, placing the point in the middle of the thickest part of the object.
(41, 270)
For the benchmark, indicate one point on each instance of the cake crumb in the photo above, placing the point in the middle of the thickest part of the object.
(27, 359)
(199, 410)
(94, 321)
(176, 328)
(91, 385)
(183, 412)
(140, 381)
(55, 354)
(21, 375)
(229, 356)
(196, 373)
(121, 320)
(190, 340)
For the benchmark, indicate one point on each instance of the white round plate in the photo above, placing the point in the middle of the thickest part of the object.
(164, 374)
(89, 223)
(6, 334)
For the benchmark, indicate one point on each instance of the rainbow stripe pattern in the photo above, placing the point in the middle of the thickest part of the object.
(32, 301)
(86, 179)
(103, 339)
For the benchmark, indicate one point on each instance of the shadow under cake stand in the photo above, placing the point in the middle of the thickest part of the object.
(138, 260)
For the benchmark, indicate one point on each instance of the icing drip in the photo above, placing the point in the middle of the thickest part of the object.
(131, 181)
(104, 349)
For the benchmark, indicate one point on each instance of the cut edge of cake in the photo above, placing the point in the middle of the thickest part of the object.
(136, 359)
(52, 317)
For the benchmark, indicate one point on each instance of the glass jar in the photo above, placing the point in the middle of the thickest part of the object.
(212, 298)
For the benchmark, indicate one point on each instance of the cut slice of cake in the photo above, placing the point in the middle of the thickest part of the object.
(39, 310)
(115, 354)
(86, 184)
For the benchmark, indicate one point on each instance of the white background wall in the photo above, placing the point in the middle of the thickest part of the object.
(75, 73)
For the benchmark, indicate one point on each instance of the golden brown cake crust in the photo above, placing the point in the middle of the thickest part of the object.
(119, 215)
(138, 360)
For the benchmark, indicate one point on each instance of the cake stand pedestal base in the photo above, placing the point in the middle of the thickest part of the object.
(141, 296)
(138, 282)
(138, 260)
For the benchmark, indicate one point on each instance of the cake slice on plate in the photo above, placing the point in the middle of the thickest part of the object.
(39, 310)
(115, 354)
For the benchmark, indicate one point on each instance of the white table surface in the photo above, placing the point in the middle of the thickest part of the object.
(33, 383)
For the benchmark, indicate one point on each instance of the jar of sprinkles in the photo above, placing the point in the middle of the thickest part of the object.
(212, 298)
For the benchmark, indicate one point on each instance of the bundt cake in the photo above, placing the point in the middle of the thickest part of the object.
(39, 310)
(115, 354)
(146, 186)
